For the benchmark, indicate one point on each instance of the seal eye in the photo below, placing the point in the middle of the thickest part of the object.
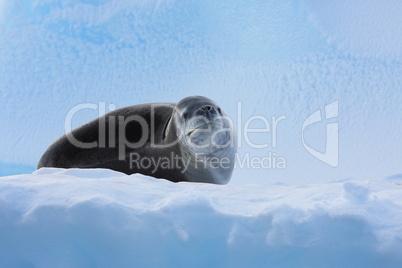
(184, 116)
(219, 111)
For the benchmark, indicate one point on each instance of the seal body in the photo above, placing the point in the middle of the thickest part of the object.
(189, 141)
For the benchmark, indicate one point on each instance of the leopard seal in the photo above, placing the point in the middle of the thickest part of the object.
(192, 141)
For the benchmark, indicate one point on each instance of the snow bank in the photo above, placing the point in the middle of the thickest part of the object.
(101, 218)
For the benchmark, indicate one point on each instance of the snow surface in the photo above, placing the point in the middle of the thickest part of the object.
(102, 218)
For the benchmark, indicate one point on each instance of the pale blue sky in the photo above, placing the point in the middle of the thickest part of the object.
(288, 59)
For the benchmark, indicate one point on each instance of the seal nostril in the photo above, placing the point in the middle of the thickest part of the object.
(207, 108)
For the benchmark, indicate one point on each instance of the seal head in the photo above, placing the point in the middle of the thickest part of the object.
(207, 139)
